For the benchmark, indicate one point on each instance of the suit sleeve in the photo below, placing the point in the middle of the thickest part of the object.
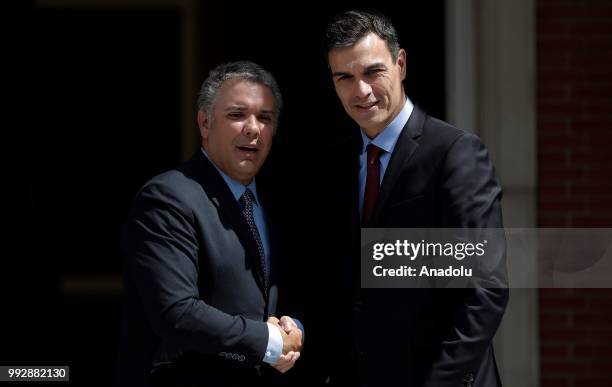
(161, 245)
(472, 196)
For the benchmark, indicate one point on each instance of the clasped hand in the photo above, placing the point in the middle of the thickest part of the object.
(292, 342)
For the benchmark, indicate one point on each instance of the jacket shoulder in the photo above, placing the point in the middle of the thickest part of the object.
(442, 136)
(443, 130)
(173, 187)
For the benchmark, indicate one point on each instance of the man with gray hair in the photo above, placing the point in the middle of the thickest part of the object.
(200, 278)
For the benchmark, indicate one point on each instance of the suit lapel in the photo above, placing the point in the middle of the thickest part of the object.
(355, 145)
(402, 153)
(220, 194)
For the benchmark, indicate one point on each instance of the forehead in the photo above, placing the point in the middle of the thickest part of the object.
(368, 50)
(242, 92)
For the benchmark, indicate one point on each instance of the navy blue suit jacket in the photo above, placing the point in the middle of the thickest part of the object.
(438, 177)
(194, 293)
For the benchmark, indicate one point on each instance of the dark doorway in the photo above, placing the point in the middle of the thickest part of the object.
(106, 120)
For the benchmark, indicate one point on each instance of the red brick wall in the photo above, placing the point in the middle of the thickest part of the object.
(574, 108)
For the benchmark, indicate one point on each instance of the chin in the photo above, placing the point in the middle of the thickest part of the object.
(248, 165)
(368, 125)
(249, 170)
(368, 121)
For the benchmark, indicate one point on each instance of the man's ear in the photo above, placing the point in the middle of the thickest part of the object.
(203, 124)
(401, 62)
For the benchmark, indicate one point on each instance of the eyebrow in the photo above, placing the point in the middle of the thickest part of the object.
(235, 107)
(243, 108)
(374, 66)
(340, 73)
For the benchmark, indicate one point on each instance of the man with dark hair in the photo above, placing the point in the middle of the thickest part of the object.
(406, 170)
(201, 280)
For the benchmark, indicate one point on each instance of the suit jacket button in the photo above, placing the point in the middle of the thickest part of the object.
(468, 380)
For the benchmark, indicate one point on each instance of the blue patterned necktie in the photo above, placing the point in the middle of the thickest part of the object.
(246, 202)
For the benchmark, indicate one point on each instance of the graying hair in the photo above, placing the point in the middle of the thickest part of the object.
(245, 70)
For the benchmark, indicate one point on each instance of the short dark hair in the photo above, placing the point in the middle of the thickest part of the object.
(347, 28)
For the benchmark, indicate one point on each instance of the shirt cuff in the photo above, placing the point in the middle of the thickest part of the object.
(275, 344)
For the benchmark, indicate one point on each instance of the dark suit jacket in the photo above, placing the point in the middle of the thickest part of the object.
(195, 304)
(438, 177)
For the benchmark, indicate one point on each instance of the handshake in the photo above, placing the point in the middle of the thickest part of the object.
(292, 343)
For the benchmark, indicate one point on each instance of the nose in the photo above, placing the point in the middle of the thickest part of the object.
(363, 89)
(252, 127)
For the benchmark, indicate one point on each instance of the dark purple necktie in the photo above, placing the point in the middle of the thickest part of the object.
(372, 185)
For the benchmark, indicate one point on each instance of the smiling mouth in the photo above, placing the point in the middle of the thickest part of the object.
(366, 106)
